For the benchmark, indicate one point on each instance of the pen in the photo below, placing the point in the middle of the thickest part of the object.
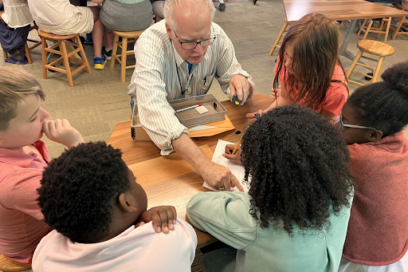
(192, 107)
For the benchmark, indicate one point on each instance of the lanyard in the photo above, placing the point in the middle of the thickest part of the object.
(183, 91)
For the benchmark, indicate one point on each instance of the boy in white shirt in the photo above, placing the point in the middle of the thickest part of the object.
(98, 210)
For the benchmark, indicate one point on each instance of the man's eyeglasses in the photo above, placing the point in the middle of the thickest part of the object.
(350, 126)
(192, 45)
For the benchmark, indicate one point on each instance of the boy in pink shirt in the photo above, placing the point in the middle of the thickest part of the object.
(23, 157)
(98, 210)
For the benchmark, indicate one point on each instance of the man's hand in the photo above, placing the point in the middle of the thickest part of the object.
(62, 132)
(221, 178)
(228, 153)
(163, 218)
(240, 86)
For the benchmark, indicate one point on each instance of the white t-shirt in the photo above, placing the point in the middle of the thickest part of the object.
(52, 12)
(135, 249)
(16, 13)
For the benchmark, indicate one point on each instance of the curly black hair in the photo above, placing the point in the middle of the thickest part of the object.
(79, 188)
(298, 163)
(384, 105)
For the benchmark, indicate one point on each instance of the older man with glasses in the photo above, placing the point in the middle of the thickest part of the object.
(179, 57)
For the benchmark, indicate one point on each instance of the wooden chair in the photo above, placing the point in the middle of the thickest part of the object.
(157, 19)
(126, 38)
(278, 41)
(384, 28)
(61, 42)
(379, 49)
(397, 30)
(7, 265)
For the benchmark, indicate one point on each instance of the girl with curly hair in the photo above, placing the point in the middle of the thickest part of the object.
(310, 72)
(295, 215)
(372, 123)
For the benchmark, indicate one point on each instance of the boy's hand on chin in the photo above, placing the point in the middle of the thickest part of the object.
(163, 218)
(62, 132)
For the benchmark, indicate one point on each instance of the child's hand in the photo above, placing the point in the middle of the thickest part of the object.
(62, 132)
(252, 117)
(163, 218)
(228, 153)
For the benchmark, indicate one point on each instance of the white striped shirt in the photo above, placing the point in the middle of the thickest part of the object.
(155, 80)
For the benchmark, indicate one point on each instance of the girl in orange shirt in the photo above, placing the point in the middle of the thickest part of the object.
(311, 72)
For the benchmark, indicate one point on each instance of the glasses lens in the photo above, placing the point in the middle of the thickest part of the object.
(188, 45)
(207, 42)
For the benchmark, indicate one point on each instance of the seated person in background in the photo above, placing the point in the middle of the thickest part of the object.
(372, 122)
(23, 157)
(180, 57)
(61, 18)
(158, 7)
(18, 18)
(98, 210)
(295, 215)
(123, 15)
(310, 72)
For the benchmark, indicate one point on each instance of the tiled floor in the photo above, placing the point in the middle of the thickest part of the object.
(99, 100)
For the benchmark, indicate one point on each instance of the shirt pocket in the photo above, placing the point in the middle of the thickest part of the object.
(204, 84)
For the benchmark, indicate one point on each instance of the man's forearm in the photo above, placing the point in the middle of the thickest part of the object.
(191, 152)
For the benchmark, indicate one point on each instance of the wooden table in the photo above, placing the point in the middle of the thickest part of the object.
(340, 10)
(179, 189)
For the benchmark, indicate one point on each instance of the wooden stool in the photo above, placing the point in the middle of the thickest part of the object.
(375, 48)
(126, 37)
(61, 44)
(397, 30)
(278, 42)
(8, 265)
(383, 29)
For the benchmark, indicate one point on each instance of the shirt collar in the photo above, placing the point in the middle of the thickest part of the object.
(23, 160)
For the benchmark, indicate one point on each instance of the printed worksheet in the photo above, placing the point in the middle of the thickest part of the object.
(236, 169)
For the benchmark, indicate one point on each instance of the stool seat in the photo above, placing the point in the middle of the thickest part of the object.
(375, 48)
(8, 265)
(55, 37)
(130, 34)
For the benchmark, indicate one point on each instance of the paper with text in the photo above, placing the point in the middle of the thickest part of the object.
(236, 169)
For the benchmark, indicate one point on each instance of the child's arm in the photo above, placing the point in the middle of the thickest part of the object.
(62, 132)
(282, 98)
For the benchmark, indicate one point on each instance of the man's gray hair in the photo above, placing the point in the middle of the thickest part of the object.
(171, 5)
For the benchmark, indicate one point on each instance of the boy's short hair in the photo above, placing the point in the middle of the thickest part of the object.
(80, 188)
(15, 83)
(298, 163)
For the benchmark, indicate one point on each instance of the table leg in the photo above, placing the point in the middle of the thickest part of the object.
(343, 47)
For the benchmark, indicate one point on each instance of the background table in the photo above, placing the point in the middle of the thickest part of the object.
(340, 11)
(178, 190)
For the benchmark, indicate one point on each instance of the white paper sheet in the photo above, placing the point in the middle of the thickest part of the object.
(202, 127)
(236, 169)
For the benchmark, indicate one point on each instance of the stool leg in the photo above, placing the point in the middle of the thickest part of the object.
(82, 51)
(5, 56)
(114, 51)
(388, 29)
(66, 63)
(44, 56)
(378, 69)
(278, 38)
(353, 65)
(28, 54)
(398, 28)
(368, 29)
(124, 56)
(362, 27)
